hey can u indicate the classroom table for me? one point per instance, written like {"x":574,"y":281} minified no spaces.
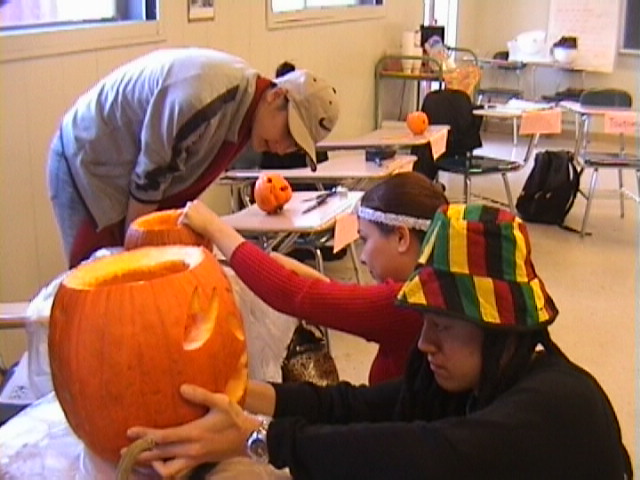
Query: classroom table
{"x":392,"y":136}
{"x":584,"y":115}
{"x":618,"y":159}
{"x":347,"y":167}
{"x":293,"y":227}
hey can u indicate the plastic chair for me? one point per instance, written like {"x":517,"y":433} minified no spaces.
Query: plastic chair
{"x":454,"y":108}
{"x":596,"y":160}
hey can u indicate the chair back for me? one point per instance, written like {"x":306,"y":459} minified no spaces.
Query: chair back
{"x":606,"y":97}
{"x":454,"y":108}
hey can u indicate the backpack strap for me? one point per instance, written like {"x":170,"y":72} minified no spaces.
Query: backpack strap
{"x":575,"y":181}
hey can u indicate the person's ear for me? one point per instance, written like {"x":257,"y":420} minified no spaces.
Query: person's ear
{"x":404,"y":238}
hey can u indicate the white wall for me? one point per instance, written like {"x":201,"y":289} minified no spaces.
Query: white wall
{"x":486,"y":26}
{"x":35,"y":93}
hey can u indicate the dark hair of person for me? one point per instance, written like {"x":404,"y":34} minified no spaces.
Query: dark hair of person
{"x":406,"y":193}
{"x":284,"y":68}
{"x":505,"y":358}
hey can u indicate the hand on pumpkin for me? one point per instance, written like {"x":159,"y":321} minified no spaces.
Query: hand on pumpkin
{"x":218,"y":435}
{"x":206,"y":222}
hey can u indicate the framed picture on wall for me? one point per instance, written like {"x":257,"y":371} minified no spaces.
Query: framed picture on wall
{"x":201,"y":10}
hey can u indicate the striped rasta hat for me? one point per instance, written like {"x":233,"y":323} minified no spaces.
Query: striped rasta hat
{"x":475,"y":264}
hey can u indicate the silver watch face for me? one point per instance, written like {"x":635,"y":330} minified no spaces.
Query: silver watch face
{"x":257,"y":445}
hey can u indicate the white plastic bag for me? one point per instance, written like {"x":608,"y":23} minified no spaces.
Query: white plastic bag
{"x":37,"y":328}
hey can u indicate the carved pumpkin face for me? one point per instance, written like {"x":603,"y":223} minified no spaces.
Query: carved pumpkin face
{"x":127,"y":330}
{"x":417,"y":122}
{"x":272,"y":192}
{"x":162,"y":228}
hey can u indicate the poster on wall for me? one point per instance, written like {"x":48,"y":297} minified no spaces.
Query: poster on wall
{"x":201,"y":10}
{"x":595,"y":24}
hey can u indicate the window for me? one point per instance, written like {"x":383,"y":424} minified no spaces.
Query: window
{"x":443,"y":12}
{"x":631,"y":27}
{"x":288,"y":13}
{"x":31,"y":28}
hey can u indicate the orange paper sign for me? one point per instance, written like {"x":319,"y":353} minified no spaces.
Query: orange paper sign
{"x":345,"y":231}
{"x":439,"y":143}
{"x":621,"y":122}
{"x":541,"y":121}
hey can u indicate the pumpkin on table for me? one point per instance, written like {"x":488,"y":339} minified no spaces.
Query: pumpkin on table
{"x":162,"y":228}
{"x":128,"y":329}
{"x":272,"y":192}
{"x":417,"y":122}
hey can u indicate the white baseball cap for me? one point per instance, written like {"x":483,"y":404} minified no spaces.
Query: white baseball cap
{"x":313,"y":109}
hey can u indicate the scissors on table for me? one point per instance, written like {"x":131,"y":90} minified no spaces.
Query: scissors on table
{"x":323,"y":197}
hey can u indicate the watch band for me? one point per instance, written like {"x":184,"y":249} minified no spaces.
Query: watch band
{"x":257,"y":442}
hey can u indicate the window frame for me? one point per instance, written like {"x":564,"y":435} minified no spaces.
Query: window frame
{"x":316,"y":16}
{"x":25,"y":43}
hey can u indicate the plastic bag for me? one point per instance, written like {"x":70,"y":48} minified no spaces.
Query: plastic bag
{"x":37,"y":329}
{"x":435,"y":48}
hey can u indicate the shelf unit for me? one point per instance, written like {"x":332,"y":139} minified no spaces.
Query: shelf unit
{"x":390,"y":67}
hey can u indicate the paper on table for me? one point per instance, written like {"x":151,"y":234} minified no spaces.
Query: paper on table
{"x":541,"y":121}
{"x":439,"y":143}
{"x":345,"y":231}
{"x":526,"y":105}
{"x":621,"y":122}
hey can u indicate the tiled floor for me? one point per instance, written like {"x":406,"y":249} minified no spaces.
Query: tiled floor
{"x":594,"y":281}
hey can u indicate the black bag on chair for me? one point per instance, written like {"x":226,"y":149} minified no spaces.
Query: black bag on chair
{"x":550,"y":189}
{"x":308,"y":358}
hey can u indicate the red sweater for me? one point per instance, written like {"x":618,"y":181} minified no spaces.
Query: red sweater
{"x":367,"y":311}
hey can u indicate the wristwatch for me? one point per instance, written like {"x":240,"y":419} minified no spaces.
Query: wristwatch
{"x":257,"y":442}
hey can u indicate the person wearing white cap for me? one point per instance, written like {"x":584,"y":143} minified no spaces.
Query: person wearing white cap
{"x":157,"y":131}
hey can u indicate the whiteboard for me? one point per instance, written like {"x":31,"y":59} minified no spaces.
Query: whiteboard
{"x":594,"y":23}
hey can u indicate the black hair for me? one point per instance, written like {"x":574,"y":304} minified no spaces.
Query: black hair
{"x":284,"y":68}
{"x":506,"y":356}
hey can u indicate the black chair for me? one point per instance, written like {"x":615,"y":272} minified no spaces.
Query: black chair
{"x":454,"y":108}
{"x":596,"y":160}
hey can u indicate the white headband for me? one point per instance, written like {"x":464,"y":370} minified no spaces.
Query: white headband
{"x":393,"y":219}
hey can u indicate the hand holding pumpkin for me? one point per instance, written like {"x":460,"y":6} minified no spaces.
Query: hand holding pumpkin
{"x":218,"y":435}
{"x":205,"y":221}
{"x":198,"y":217}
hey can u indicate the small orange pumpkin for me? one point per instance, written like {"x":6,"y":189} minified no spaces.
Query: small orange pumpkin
{"x":417,"y":122}
{"x":162,"y":228}
{"x":272,"y":192}
{"x":128,"y":329}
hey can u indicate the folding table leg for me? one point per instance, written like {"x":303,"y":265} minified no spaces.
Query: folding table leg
{"x":467,"y":189}
{"x":507,"y":189}
{"x":587,"y":209}
{"x":621,"y":192}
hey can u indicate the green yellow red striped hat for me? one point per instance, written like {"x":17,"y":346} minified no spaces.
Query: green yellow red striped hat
{"x":476,"y":265}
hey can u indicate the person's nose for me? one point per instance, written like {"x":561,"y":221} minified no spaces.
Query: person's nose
{"x":427,"y":343}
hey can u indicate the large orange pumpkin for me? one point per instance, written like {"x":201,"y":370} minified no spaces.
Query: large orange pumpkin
{"x":162,"y":228}
{"x":127,"y":330}
{"x":272,"y":192}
